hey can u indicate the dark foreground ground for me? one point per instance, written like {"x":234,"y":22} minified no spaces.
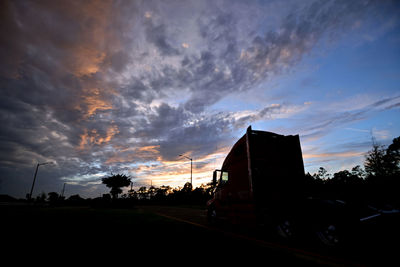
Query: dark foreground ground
{"x":155,"y":235}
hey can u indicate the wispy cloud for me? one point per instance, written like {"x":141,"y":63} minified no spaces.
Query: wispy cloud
{"x":130,"y":85}
{"x":330,"y":116}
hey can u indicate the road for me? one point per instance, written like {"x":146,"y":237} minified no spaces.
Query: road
{"x":197,"y":218}
{"x":194,"y":216}
{"x":164,"y":233}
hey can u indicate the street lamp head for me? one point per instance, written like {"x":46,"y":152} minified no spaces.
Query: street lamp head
{"x":44,"y":163}
{"x":181,"y":155}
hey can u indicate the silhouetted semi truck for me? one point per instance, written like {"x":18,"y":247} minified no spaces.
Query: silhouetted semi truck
{"x":262,"y":182}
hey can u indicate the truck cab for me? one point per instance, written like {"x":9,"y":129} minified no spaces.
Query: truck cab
{"x":260,"y":174}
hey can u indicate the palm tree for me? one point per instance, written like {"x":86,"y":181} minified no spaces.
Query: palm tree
{"x":115,"y":182}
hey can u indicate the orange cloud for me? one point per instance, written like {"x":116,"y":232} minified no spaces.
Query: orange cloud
{"x":111,"y":131}
{"x":87,"y":61}
{"x":90,"y":33}
{"x":132,"y":154}
{"x":88,"y":55}
{"x":93,"y":101}
{"x":93,"y":137}
{"x":152,"y":149}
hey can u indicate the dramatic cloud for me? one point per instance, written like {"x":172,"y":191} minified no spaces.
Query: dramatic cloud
{"x":101,"y":86}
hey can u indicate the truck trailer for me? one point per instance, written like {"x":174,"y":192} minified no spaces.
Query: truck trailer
{"x":262,"y":182}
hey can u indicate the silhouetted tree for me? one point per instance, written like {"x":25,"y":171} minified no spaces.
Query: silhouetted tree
{"x":76,"y":200}
{"x":199,"y":195}
{"x":143,"y":192}
{"x":312,"y":179}
{"x":106,"y":197}
{"x":392,"y":157}
{"x":131,"y":193}
{"x":375,"y":161}
{"x":187,"y":188}
{"x":115,"y":182}
{"x":381,"y":162}
{"x":41,"y":198}
{"x":358,"y":172}
{"x":53,"y":197}
{"x":162,"y":193}
{"x":322,"y":174}
{"x":151,"y":192}
{"x":345,"y":177}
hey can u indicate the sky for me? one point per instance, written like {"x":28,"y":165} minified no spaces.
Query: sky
{"x":101,"y":87}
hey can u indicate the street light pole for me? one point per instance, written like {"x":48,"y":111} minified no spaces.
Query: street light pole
{"x":34,"y":177}
{"x":191,"y":168}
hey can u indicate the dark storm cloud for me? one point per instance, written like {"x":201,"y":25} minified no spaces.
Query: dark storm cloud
{"x":47,"y":90}
{"x":164,"y":119}
{"x":85,"y":83}
{"x":119,"y":60}
{"x":157,"y":35}
{"x":197,"y":139}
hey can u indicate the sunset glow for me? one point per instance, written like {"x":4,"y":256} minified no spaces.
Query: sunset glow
{"x":101,"y":87}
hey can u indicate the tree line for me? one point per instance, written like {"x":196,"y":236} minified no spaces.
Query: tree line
{"x":159,"y":195}
{"x":163,"y":195}
{"x":377,"y":181}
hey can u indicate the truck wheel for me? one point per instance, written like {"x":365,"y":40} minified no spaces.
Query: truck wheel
{"x":285,"y":229}
{"x":328,"y":235}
